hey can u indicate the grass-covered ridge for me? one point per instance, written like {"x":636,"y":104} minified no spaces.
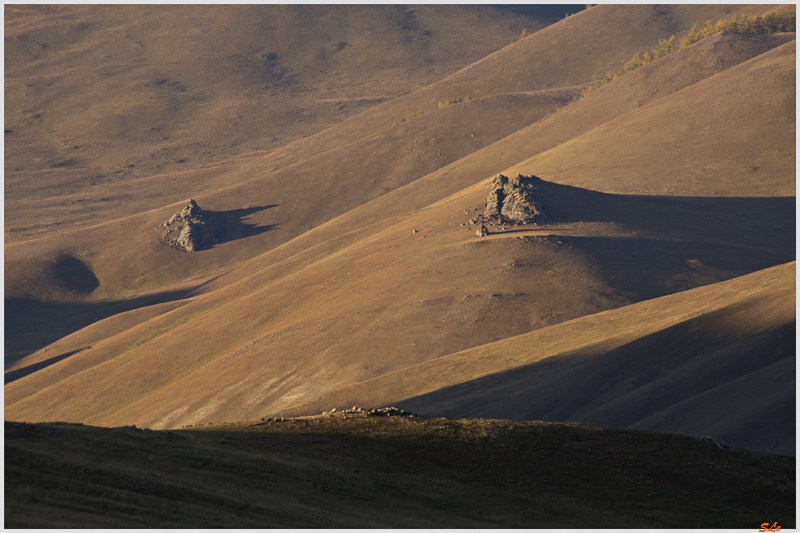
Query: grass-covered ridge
{"x":772,"y":22}
{"x":360,"y":469}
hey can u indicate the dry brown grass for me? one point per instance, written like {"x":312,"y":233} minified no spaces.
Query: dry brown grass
{"x":101,"y":97}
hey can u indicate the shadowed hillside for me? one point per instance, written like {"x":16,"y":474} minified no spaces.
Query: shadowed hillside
{"x":359,"y":469}
{"x":667,"y":364}
{"x":727,"y":374}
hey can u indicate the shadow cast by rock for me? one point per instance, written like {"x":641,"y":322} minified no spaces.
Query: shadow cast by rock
{"x":231,"y":225}
{"x":765,"y":223}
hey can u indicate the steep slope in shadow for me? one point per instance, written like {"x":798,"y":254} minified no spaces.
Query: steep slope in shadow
{"x":74,"y":275}
{"x":725,"y":374}
{"x":13,"y":375}
{"x":32,"y":325}
{"x":358,"y":470}
{"x":693,"y":362}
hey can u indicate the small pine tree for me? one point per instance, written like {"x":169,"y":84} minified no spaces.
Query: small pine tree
{"x":692,"y":37}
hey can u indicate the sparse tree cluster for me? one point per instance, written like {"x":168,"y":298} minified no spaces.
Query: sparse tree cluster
{"x":439,"y":105}
{"x":412,"y":115}
{"x":451,"y":101}
{"x":773,"y":22}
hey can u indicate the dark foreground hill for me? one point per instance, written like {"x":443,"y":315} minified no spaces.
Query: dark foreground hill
{"x":358,"y":469}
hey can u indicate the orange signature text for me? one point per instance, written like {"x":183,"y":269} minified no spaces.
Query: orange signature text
{"x":765,"y":527}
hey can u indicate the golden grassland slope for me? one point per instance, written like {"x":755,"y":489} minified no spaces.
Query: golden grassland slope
{"x":407,"y":152}
{"x":318,"y":291}
{"x":706,"y":58}
{"x":717,"y":360}
{"x":102,"y":95}
{"x":569,"y":53}
{"x":667,"y":76}
{"x":705,"y":140}
{"x":281,"y":205}
{"x":610,"y":210}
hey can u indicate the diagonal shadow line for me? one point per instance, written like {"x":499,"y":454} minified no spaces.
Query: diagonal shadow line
{"x":14,"y":375}
{"x":31,"y":325}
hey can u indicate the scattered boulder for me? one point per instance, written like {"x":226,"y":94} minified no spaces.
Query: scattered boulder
{"x":482,"y":231}
{"x":387,"y":411}
{"x":514,"y":201}
{"x":191,"y":229}
{"x":380,"y":411}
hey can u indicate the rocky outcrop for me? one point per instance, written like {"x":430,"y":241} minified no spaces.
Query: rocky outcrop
{"x":380,"y":411}
{"x":514,"y":201}
{"x":191,"y":229}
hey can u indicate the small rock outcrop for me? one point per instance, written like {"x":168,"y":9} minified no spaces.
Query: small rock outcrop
{"x":483,"y":231}
{"x":191,"y":229}
{"x":514,"y":201}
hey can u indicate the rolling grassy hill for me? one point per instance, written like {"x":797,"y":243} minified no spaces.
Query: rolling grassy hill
{"x":356,"y":469}
{"x":99,"y":97}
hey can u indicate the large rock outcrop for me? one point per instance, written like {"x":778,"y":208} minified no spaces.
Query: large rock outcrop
{"x":514,"y":201}
{"x":191,"y":229}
